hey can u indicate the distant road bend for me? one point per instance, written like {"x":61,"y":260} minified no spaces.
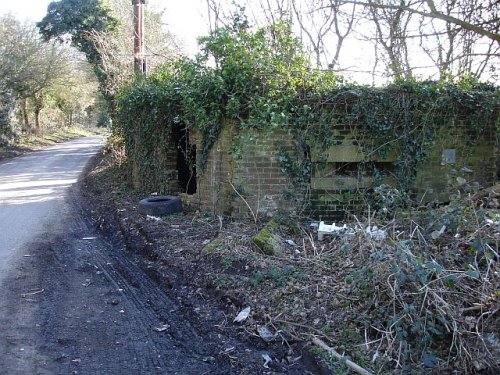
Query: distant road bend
{"x":32,"y":190}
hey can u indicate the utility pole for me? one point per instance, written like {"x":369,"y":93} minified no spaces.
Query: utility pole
{"x":139,"y":57}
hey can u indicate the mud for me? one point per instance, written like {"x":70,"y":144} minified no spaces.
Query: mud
{"x":92,"y":298}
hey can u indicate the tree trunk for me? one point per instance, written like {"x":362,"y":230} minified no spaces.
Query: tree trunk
{"x":38,"y":99}
{"x":26,"y":119}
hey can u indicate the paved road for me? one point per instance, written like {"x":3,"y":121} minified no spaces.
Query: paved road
{"x":32,"y":189}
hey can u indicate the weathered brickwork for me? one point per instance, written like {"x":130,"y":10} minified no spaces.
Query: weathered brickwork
{"x":243,"y":177}
{"x":457,"y":153}
{"x":162,"y":176}
{"x":258,"y":175}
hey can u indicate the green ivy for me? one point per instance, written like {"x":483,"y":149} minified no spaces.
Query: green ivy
{"x":262,"y":80}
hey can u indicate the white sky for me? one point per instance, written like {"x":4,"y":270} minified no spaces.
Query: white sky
{"x":187,"y":20}
{"x":182,"y":17}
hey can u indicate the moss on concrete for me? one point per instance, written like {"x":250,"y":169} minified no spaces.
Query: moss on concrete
{"x":266,"y":241}
{"x":263,"y":242}
{"x":212,"y":246}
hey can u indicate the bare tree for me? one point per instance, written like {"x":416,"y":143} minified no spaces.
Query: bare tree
{"x":391,"y":27}
{"x":115,"y":50}
{"x":408,"y":37}
{"x":457,"y":36}
{"x":483,"y":21}
{"x":453,"y":49}
{"x":315,"y":24}
{"x":344,"y":21}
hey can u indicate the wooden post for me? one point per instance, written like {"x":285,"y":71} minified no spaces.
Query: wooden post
{"x":139,"y":60}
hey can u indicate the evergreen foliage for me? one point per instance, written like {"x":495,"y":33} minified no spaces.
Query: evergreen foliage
{"x":74,"y":19}
{"x":263,"y":80}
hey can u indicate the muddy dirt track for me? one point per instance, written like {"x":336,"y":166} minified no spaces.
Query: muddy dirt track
{"x":78,"y":301}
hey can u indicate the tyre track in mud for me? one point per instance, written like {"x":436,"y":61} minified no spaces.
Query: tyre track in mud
{"x":93,"y":311}
{"x":85,"y":304}
{"x":199,"y":317}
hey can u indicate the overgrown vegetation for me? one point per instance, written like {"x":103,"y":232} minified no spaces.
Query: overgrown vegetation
{"x":262,"y":80}
{"x":421,"y":299}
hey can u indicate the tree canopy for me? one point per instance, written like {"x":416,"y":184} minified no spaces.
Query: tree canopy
{"x":75,"y":20}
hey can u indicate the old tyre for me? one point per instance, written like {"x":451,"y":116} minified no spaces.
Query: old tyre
{"x":160,"y":205}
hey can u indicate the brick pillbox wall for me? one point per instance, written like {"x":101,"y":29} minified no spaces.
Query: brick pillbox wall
{"x":159,"y":173}
{"x":243,"y":176}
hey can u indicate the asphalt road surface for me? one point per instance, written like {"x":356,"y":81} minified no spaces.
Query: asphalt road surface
{"x":72,"y":302}
{"x":32,"y":190}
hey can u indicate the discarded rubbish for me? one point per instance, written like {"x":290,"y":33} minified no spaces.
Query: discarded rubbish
{"x":437,"y":233}
{"x":267,"y":360}
{"x":375,"y":233}
{"x":265,"y":334}
{"x":151,"y":217}
{"x":228,"y":350}
{"x":243,"y":315}
{"x":329,"y":229}
{"x":32,"y":293}
{"x":162,"y":328}
{"x":291,"y":243}
{"x":344,"y":231}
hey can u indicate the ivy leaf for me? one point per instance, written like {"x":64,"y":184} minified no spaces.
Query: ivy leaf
{"x":473,"y":273}
{"x":434,"y":266}
{"x":429,"y":360}
{"x":450,"y":281}
{"x":477,"y":245}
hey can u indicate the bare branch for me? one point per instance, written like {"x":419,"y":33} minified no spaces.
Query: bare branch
{"x":476,"y":28}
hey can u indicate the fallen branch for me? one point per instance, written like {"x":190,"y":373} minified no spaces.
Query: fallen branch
{"x":334,"y":353}
{"x":24,"y":295}
{"x":255,"y":219}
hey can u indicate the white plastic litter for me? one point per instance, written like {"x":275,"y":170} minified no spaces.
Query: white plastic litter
{"x":162,"y":328}
{"x":243,"y":315}
{"x":265,"y":334}
{"x":329,"y":229}
{"x":375,"y":233}
{"x":267,"y":359}
{"x":437,"y":233}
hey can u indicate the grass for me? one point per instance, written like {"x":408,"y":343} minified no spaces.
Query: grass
{"x":32,"y":141}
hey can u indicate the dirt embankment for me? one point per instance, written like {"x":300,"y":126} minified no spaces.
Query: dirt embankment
{"x":417,"y":294}
{"x":171,"y":252}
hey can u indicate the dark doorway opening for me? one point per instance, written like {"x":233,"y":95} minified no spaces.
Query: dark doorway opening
{"x":186,"y":159}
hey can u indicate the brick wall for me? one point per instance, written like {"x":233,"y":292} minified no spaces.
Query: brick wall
{"x":247,"y":182}
{"x":213,"y":192}
{"x":250,"y":181}
{"x":257,"y":177}
{"x":458,"y":152}
{"x":159,"y":176}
